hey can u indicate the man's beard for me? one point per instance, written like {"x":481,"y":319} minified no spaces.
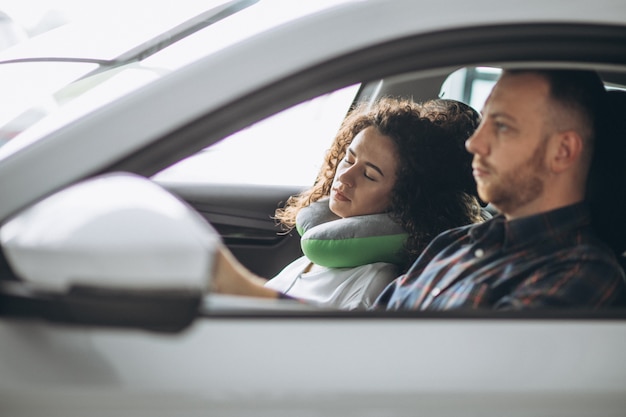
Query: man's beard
{"x":520,"y":186}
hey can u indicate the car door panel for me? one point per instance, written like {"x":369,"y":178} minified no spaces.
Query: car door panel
{"x":243,"y":215}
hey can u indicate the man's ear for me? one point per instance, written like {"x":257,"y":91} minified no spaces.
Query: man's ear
{"x":567,"y":150}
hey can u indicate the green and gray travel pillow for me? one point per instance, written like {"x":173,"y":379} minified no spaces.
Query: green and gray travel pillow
{"x":331,"y":241}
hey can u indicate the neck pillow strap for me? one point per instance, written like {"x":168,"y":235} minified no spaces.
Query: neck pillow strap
{"x":331,"y":241}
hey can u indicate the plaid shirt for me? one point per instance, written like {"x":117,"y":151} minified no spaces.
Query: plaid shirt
{"x":551,"y":259}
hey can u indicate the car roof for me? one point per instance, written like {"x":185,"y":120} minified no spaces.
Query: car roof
{"x":90,"y":144}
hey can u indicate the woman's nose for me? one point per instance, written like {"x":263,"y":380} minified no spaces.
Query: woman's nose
{"x":346,"y":176}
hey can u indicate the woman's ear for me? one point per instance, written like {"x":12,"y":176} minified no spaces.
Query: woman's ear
{"x":567,"y":150}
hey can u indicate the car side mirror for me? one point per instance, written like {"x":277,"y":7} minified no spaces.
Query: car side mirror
{"x":113,"y":250}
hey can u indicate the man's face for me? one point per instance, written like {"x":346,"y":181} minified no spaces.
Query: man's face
{"x":510,"y":145}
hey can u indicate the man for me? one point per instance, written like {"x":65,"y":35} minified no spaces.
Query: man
{"x":532,"y":155}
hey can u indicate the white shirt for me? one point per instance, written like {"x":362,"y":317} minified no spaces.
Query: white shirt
{"x":343,"y":288}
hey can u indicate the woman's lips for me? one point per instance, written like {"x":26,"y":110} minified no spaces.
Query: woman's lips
{"x":339,"y":196}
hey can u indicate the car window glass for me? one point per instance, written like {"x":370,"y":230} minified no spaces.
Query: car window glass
{"x":285,"y":149}
{"x":470,"y":85}
{"x":55,"y":109}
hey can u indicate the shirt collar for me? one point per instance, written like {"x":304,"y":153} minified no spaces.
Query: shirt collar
{"x":539,"y":227}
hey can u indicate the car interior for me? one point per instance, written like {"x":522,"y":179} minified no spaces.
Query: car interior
{"x":242,"y":213}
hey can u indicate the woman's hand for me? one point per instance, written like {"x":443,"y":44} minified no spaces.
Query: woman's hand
{"x":230,"y":277}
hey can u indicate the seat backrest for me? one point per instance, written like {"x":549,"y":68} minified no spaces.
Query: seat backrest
{"x":606,"y":191}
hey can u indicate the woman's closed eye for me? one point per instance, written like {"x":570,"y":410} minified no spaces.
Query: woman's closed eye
{"x":370,"y":171}
{"x":366,"y":175}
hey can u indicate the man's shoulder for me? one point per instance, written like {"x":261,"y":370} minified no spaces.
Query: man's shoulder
{"x":587,"y":248}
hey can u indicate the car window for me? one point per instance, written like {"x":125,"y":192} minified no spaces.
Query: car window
{"x":284,"y":149}
{"x":294,"y":140}
{"x":470,"y":85}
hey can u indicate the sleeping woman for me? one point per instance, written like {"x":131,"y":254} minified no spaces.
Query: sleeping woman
{"x":396,"y":175}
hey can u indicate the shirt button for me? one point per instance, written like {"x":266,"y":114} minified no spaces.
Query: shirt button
{"x":435,"y":292}
{"x":479,"y":253}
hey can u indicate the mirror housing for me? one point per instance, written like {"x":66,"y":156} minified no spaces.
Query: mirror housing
{"x":114,"y":249}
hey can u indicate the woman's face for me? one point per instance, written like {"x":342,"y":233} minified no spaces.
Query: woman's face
{"x":366,"y":176}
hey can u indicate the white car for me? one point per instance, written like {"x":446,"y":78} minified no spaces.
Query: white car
{"x":113,"y":182}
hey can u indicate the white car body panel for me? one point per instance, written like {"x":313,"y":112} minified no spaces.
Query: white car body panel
{"x":268,"y":365}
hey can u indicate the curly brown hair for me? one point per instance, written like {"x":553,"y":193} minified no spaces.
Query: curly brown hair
{"x":434,"y":189}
